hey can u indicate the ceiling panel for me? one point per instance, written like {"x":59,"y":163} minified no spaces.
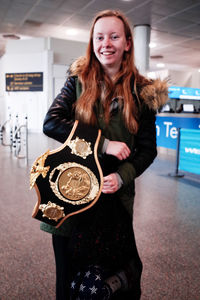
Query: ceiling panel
{"x":75,"y":21}
{"x":51,"y":4}
{"x":171,"y":24}
{"x":192,"y":30}
{"x":163,"y":10}
{"x":175,"y":24}
{"x":57,"y":18}
{"x":192,"y":44}
{"x":76,"y":6}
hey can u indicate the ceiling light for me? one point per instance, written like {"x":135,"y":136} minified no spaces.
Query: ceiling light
{"x":152,"y":45}
{"x":71,"y":31}
{"x":160,"y":65}
{"x":199,"y":70}
{"x":151,"y":75}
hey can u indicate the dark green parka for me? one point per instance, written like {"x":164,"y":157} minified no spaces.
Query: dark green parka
{"x":58,"y":124}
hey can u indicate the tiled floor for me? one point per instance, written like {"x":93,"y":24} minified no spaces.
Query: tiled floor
{"x":166,"y":222}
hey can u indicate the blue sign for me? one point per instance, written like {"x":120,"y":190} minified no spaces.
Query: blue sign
{"x":189,"y":155}
{"x":176,"y":92}
{"x":166,"y":129}
{"x":24,"y":82}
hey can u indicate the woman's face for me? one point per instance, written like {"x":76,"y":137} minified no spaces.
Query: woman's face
{"x":109,"y":42}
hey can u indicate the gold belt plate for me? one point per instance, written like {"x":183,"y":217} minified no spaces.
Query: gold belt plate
{"x":75,"y":184}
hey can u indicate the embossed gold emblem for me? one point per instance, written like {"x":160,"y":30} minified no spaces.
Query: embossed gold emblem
{"x":80,"y":147}
{"x":52,"y":211}
{"x":75,"y":184}
{"x":38,"y":168}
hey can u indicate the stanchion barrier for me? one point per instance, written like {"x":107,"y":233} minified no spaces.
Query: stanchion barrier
{"x":1,"y":134}
{"x":6,"y":129}
{"x":15,"y":134}
{"x":177,"y":173}
{"x":20,"y":141}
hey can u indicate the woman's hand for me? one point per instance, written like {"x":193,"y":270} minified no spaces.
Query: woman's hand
{"x":118,"y":149}
{"x":110,"y":184}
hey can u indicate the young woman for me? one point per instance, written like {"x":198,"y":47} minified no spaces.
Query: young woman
{"x":105,"y":90}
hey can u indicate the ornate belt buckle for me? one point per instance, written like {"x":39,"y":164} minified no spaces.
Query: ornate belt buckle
{"x":68,"y":180}
{"x":75,"y":184}
{"x":80,"y":147}
{"x":52,"y":211}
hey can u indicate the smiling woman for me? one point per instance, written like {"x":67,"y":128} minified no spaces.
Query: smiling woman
{"x":96,"y":254}
{"x":109,"y":46}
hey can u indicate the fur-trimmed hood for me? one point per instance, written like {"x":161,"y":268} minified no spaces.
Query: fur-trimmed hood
{"x":77,"y":66}
{"x":154,"y":94}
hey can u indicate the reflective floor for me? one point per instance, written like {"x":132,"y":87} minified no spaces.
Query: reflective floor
{"x":166,"y":222}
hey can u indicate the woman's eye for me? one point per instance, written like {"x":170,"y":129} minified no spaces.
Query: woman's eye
{"x":114,"y":37}
{"x":99,"y":38}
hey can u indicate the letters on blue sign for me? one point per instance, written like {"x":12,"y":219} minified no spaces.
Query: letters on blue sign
{"x":166,"y":129}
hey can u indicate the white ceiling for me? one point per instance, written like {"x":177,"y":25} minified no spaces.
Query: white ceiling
{"x":175,"y":24}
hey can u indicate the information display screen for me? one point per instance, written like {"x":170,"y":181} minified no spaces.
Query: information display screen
{"x":24,"y":82}
{"x":176,"y":92}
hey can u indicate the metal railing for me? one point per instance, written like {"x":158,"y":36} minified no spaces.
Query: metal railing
{"x":3,"y":132}
{"x":15,"y":136}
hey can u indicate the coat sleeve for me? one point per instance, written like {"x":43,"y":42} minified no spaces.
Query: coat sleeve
{"x":145,"y":149}
{"x":59,"y":119}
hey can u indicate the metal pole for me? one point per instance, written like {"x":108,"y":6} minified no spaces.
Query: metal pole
{"x":177,"y":151}
{"x":26,"y":120}
{"x":177,"y":174}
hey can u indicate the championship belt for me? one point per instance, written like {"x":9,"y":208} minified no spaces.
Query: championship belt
{"x":68,"y":180}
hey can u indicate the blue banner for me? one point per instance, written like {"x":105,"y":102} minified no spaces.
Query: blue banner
{"x":189,"y":155}
{"x":166,"y":129}
{"x":176,"y":92}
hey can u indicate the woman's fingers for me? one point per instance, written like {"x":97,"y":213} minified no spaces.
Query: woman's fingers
{"x":110,"y":184}
{"x":118,"y":149}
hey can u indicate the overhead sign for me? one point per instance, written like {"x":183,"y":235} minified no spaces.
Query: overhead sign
{"x":176,"y":92}
{"x":24,"y":82}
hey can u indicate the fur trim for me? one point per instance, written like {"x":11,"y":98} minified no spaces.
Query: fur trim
{"x":155,"y":95}
{"x":77,"y":66}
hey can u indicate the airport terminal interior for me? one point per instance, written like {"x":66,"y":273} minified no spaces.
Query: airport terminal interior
{"x":35,"y":53}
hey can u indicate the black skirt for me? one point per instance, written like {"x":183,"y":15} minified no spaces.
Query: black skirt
{"x":104,"y":236}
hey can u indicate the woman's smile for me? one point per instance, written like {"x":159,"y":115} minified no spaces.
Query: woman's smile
{"x":110,"y":43}
{"x":106,"y":53}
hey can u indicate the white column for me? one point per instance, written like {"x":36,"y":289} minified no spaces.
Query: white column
{"x":141,"y":47}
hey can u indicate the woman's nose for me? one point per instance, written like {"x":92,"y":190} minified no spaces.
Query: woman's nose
{"x":106,"y":42}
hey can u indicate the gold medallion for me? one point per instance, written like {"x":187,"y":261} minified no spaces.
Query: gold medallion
{"x":75,"y":184}
{"x":80,"y":147}
{"x":52,"y":211}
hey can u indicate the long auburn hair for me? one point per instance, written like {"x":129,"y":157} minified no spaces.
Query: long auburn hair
{"x":92,"y":76}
